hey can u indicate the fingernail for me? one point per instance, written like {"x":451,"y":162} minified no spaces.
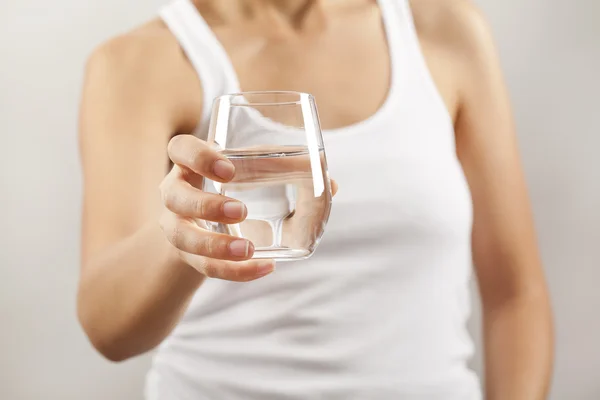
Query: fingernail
{"x":223,"y":169}
{"x":264,"y":269}
{"x":239,"y":248}
{"x":234,"y":210}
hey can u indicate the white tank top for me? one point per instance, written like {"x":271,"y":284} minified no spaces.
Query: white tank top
{"x":379,"y":312}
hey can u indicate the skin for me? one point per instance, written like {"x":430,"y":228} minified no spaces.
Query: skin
{"x":142,"y":258}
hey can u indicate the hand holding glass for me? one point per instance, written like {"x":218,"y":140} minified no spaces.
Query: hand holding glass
{"x":274,"y":141}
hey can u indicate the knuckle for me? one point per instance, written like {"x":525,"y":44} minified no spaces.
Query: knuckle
{"x":211,"y":270}
{"x":210,"y":245}
{"x":215,"y":246}
{"x":199,"y":159}
{"x":231,"y":273}
{"x":207,"y":206}
{"x":202,"y":246}
{"x":201,"y":263}
{"x":177,"y":236}
{"x":199,"y":206}
{"x":170,"y":199}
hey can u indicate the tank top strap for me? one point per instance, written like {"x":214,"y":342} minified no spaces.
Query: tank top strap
{"x":407,"y":57}
{"x":403,"y":42}
{"x":205,"y":52}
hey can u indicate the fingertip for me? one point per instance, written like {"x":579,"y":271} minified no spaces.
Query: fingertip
{"x":334,"y":187}
{"x":235,"y":210}
{"x":251,"y":248}
{"x":224,"y":169}
{"x":241,"y":248}
{"x":265,"y":268}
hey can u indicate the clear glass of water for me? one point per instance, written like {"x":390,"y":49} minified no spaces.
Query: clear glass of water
{"x":274,"y":141}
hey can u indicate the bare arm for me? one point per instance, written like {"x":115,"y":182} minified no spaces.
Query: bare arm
{"x":142,"y":258}
{"x":517,"y":316}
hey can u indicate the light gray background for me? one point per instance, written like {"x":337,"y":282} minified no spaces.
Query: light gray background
{"x":551,"y":54}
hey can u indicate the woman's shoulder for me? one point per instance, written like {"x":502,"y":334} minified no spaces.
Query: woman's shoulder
{"x":459,"y":34}
{"x":452,"y":24}
{"x":147,"y":49}
{"x":148,"y":63}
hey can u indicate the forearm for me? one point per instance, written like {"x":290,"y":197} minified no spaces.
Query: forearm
{"x":132,"y":294}
{"x":518,"y":348}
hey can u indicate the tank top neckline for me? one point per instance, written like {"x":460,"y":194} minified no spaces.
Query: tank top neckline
{"x":397,"y":74}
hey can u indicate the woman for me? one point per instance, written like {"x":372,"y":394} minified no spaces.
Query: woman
{"x":419,"y":136}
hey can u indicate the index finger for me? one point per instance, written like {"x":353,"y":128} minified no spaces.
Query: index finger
{"x":192,"y":153}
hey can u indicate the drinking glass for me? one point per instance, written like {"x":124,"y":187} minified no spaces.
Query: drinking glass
{"x":274,"y":141}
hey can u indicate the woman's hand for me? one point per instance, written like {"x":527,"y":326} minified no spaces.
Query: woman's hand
{"x":215,"y":255}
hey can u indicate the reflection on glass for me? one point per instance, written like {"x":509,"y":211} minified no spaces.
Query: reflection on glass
{"x":275,"y":143}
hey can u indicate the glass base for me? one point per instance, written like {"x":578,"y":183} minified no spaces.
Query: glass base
{"x":281,"y":253}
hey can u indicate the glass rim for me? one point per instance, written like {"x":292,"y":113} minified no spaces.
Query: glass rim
{"x":257,"y":93}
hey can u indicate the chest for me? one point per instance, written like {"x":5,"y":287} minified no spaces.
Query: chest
{"x":346,"y":65}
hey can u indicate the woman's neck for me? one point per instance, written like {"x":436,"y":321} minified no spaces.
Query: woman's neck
{"x":278,"y":14}
{"x":283,"y":16}
{"x":292,"y":9}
